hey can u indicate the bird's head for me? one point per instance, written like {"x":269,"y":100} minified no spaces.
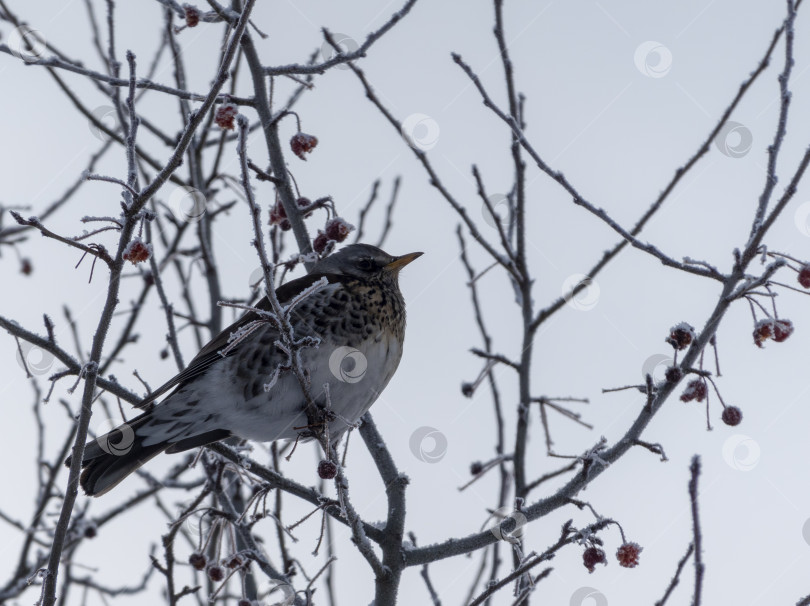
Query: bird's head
{"x":364,"y":262}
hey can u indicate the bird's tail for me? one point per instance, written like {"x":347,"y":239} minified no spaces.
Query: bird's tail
{"x":112,"y":457}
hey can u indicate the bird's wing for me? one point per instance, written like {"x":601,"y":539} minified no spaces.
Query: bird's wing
{"x":210,"y":353}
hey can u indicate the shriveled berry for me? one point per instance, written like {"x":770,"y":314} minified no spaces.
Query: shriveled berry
{"x":695,"y":390}
{"x":164,"y":353}
{"x":277,"y":214}
{"x":337,"y":229}
{"x":673,"y":374}
{"x":763,"y":330}
{"x":732,"y":416}
{"x":285,"y":225}
{"x":192,"y":14}
{"x":804,"y":276}
{"x":467,"y":389}
{"x":476,"y":467}
{"x":302,"y":143}
{"x":235,"y":561}
{"x":593,"y":556}
{"x":90,"y":531}
{"x":681,"y":335}
{"x":243,"y":602}
{"x":320,"y":242}
{"x":137,"y":251}
{"x":197,"y":560}
{"x":25,"y":266}
{"x":782,"y":329}
{"x":216,"y":573}
{"x":327,"y":469}
{"x":225,"y":116}
{"x":628,"y":554}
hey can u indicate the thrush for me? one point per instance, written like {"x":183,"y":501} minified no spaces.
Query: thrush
{"x":241,"y":383}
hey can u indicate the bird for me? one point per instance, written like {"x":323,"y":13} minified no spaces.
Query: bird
{"x":241,"y":383}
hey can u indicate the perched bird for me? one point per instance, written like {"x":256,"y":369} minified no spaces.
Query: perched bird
{"x":240,"y":386}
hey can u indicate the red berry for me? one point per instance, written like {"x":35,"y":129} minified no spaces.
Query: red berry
{"x":695,"y":390}
{"x":192,"y":15}
{"x":467,"y":389}
{"x":90,"y":531}
{"x":804,"y":276}
{"x":277,"y":214}
{"x":673,"y":374}
{"x":235,"y":561}
{"x":197,"y":560}
{"x":26,"y":267}
{"x":732,"y":416}
{"x":320,"y":242}
{"x":302,"y":143}
{"x":225,"y":115}
{"x":627,"y":554}
{"x":337,"y":229}
{"x":243,"y":602}
{"x":476,"y":468}
{"x":782,"y":329}
{"x":327,"y":470}
{"x":681,"y":335}
{"x":763,"y":330}
{"x":137,"y":251}
{"x":216,"y":573}
{"x":593,"y":556}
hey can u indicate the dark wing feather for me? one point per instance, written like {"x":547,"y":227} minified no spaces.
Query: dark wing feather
{"x":209,"y":354}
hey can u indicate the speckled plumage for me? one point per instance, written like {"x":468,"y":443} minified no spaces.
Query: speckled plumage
{"x":359,"y":318}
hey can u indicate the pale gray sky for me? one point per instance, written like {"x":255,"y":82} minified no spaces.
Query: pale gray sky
{"x":619,"y":94}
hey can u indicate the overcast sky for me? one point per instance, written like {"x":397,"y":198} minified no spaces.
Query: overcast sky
{"x":618,"y":96}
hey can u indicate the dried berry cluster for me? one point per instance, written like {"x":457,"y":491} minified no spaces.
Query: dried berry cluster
{"x":681,"y":336}
{"x":302,"y":144}
{"x":226,"y":115}
{"x":769,"y":328}
{"x":192,"y":15}
{"x":137,"y":251}
{"x":627,"y":555}
{"x":336,"y":229}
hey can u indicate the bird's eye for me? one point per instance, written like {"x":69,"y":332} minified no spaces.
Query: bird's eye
{"x":365,"y":264}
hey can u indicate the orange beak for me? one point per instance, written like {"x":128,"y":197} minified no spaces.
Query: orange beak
{"x":400,"y":262}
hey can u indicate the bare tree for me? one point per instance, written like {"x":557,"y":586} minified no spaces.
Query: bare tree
{"x":240,"y":511}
